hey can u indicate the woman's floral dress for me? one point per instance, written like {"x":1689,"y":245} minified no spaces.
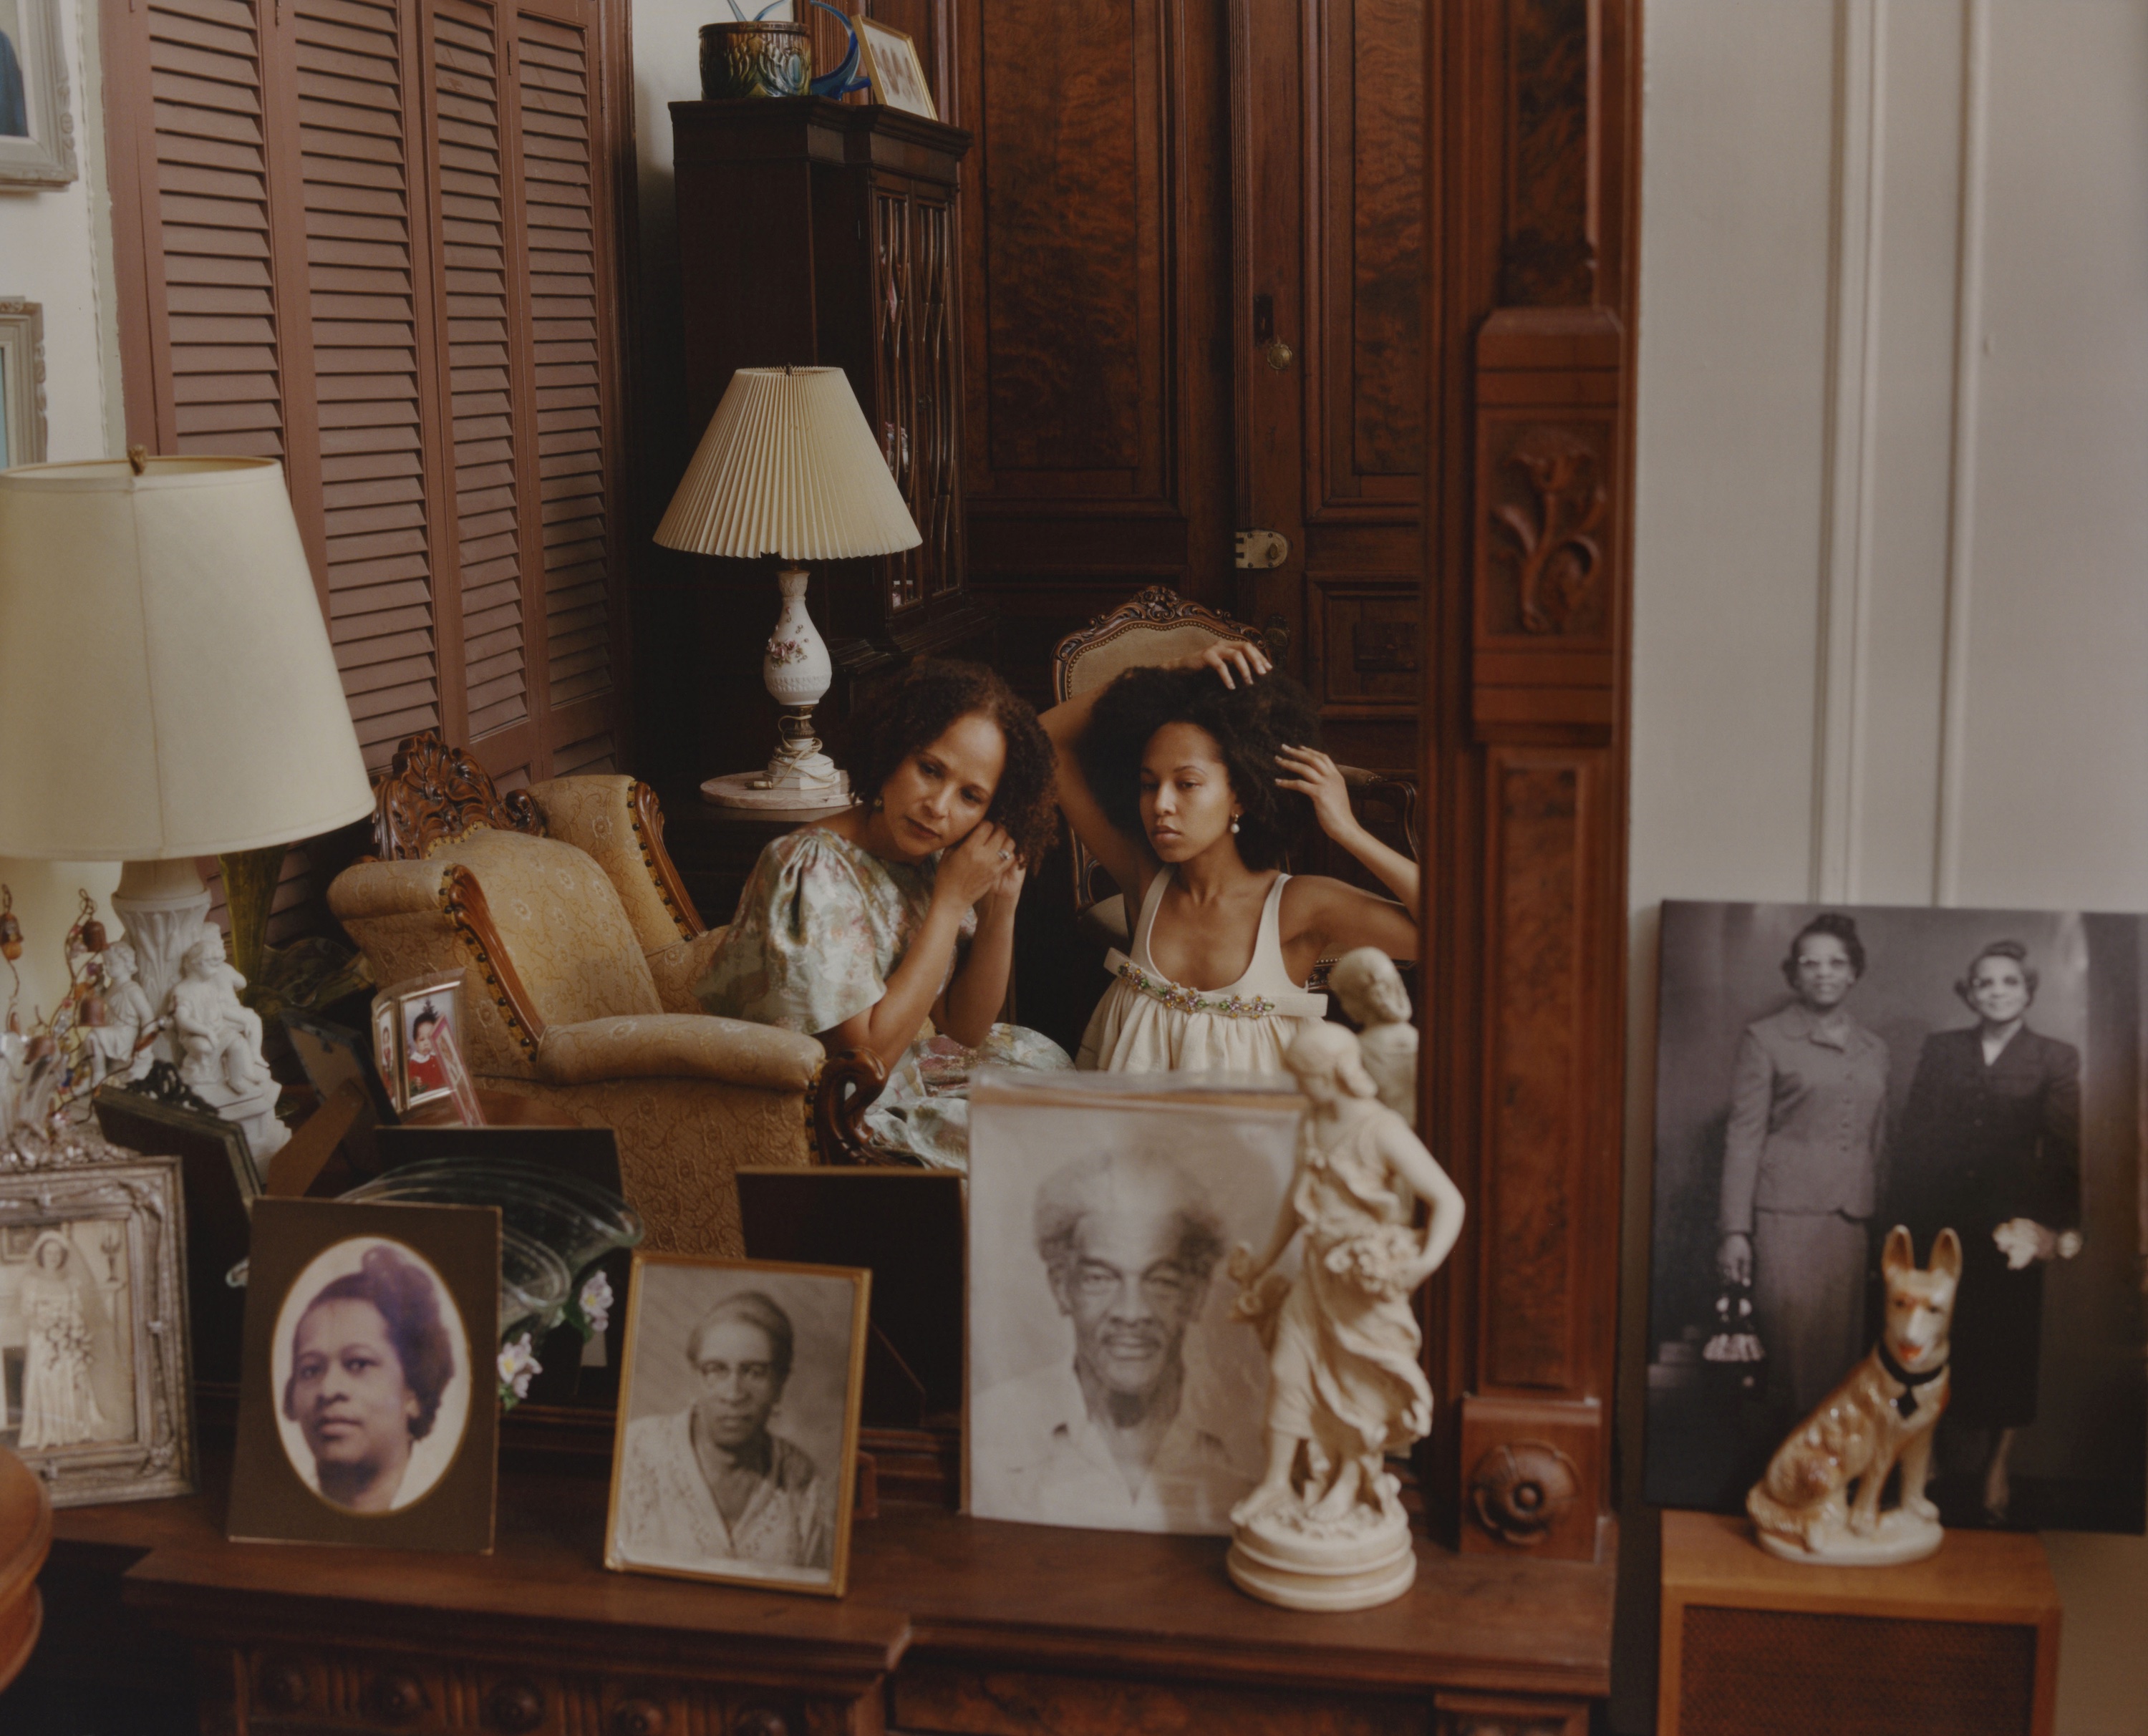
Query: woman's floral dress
{"x":820,"y":927}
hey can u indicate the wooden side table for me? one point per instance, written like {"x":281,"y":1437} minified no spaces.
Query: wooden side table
{"x":1966,"y":1643}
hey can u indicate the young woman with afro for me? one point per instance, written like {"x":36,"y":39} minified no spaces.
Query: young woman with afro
{"x":893,"y":919}
{"x":1190,"y":782}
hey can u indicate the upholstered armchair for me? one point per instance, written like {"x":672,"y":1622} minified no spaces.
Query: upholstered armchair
{"x":580,"y":947}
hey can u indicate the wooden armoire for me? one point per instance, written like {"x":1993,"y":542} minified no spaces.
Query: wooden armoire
{"x":822,"y":233}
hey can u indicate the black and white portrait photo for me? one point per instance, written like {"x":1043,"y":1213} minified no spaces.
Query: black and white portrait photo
{"x":373,"y":1365}
{"x":1824,"y":1074}
{"x":738,"y":1421}
{"x":1108,"y":1386}
{"x":367,"y":1376}
{"x":65,"y":1345}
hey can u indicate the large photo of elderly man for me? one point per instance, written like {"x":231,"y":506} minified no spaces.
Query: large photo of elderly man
{"x":1824,"y":1074}
{"x":1108,"y":1386}
{"x":738,"y":1421}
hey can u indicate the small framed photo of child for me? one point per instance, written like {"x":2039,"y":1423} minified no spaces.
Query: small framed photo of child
{"x":736,"y":1458}
{"x":418,"y":1030}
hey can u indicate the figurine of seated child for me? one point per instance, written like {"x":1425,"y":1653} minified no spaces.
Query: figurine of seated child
{"x":219,"y":1036}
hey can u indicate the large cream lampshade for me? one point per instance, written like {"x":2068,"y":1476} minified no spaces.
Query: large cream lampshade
{"x":788,"y":467}
{"x":167,"y":688}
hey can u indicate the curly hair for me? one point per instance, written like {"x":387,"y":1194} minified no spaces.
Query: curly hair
{"x":1251,"y":723}
{"x":1999,"y":949}
{"x":1831,"y":923}
{"x":401,"y":1294}
{"x":920,"y":708}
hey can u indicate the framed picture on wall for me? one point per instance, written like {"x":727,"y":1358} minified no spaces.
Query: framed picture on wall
{"x":892,"y":67}
{"x":36,"y":122}
{"x":1824,"y":1074}
{"x":21,"y":380}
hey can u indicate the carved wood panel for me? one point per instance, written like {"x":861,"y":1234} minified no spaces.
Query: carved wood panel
{"x":949,"y":1700}
{"x":1540,"y":959}
{"x":1549,"y":255}
{"x":1071,"y":196}
{"x":1364,"y":254}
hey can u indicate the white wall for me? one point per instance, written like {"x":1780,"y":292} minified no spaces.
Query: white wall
{"x":1891,"y":529}
{"x":56,"y":249}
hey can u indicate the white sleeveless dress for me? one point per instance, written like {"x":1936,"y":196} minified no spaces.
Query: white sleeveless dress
{"x":1146,"y":1023}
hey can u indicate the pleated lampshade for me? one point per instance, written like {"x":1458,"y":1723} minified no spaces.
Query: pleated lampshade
{"x":167,"y":686}
{"x":788,"y":467}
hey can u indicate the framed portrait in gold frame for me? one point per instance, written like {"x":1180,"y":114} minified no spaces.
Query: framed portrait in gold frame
{"x":735,"y":1458}
{"x":894,"y":70}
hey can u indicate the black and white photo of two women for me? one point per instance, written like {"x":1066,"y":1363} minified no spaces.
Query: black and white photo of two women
{"x":1823,"y":1073}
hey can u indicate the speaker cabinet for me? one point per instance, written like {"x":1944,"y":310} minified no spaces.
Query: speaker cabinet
{"x":1965,"y":1643}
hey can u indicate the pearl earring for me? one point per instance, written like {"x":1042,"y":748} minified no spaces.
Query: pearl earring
{"x":1234,"y":825}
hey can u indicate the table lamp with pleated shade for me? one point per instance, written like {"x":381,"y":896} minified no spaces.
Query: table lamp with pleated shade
{"x":167,"y":690}
{"x":789,"y":468}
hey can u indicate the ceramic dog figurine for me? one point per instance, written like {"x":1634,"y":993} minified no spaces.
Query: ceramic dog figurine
{"x":1884,"y":1413}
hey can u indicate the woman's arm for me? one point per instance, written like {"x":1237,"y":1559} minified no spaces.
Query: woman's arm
{"x":968,"y":1010}
{"x":1311,"y":772}
{"x":890,"y":1026}
{"x":1127,"y":858}
{"x":1431,"y":1183}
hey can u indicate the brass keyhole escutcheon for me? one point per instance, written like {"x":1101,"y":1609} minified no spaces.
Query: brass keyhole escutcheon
{"x":1279,"y":354}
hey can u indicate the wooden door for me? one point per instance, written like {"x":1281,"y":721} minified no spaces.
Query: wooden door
{"x":1329,"y":117}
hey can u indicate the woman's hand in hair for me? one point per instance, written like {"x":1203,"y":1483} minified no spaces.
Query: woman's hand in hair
{"x":1311,"y":774}
{"x":978,"y":866}
{"x":1234,"y":660}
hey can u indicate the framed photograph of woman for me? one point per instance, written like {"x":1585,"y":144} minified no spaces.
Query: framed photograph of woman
{"x":36,"y":120}
{"x":1824,"y":1074}
{"x":736,"y":1454}
{"x":93,"y":1330}
{"x":366,"y":1409}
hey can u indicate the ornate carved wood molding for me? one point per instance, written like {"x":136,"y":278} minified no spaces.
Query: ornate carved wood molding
{"x":844,"y":1087}
{"x":647,"y":816}
{"x":462,"y":901}
{"x":433,"y":794}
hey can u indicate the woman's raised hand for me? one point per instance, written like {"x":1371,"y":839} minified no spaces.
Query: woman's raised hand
{"x":1311,"y":773}
{"x":979,"y":865}
{"x":1233,"y":660}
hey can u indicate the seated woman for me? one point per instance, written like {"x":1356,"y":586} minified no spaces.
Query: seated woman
{"x":874,"y":926}
{"x":1170,"y":775}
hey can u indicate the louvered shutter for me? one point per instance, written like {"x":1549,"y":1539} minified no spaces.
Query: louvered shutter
{"x":489,"y":488}
{"x":207,"y":193}
{"x":353,"y":106}
{"x":372,"y":238}
{"x":555,"y":80}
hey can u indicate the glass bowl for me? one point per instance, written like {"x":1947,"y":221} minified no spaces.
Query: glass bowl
{"x":578,"y":1221}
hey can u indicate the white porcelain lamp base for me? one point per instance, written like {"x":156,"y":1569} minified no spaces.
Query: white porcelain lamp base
{"x":797,"y":672}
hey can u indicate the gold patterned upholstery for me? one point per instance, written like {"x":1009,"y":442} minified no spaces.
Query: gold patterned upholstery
{"x":580,"y":949}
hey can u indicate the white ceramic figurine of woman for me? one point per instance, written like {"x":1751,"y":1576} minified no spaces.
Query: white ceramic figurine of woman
{"x":1325,"y":1528}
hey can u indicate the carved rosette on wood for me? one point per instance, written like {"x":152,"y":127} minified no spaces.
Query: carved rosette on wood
{"x":433,"y":793}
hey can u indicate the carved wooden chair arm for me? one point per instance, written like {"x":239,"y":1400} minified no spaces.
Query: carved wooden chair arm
{"x":845,"y":1089}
